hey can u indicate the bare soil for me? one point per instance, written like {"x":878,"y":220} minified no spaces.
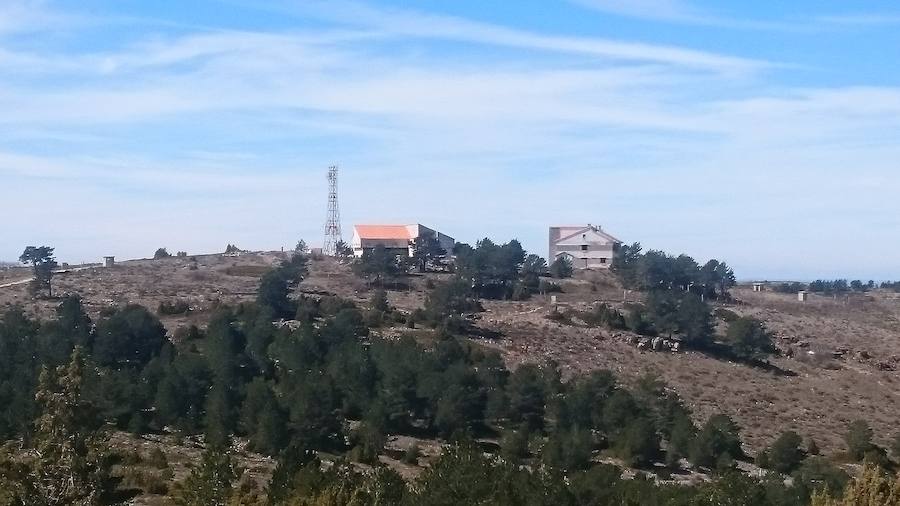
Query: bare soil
{"x":844,"y":362}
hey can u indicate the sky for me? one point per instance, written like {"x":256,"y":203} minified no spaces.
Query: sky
{"x":765,"y":134}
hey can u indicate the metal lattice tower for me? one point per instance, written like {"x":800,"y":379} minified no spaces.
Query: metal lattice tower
{"x":333,"y":222}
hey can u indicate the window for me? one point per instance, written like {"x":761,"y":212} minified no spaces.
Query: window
{"x":584,"y":247}
{"x":602,"y":260}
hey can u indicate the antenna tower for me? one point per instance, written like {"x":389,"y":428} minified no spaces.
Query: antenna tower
{"x":333,"y":223}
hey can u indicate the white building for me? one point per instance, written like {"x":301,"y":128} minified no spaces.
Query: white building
{"x":398,"y":238}
{"x":587,"y":247}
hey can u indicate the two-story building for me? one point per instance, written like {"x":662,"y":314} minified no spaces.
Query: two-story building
{"x":586,"y":247}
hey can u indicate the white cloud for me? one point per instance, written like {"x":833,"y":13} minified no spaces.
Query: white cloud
{"x":863,"y":19}
{"x":667,"y":10}
{"x":196,"y":140}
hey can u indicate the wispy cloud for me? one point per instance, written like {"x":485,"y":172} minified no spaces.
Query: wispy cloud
{"x":412,"y":23}
{"x":214,"y":132}
{"x":682,"y":12}
{"x":863,"y":19}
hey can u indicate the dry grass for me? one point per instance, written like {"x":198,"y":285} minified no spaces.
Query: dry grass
{"x":821,"y":397}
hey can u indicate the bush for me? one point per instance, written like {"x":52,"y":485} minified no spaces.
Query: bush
{"x":449,"y":299}
{"x":307,"y":310}
{"x":161,"y":253}
{"x":605,"y":316}
{"x":726,"y":315}
{"x":789,"y":287}
{"x":638,"y":444}
{"x":411,"y":456}
{"x":332,"y":305}
{"x":379,"y":301}
{"x":158,"y":459}
{"x":859,"y":440}
{"x":785,"y":455}
{"x":514,"y":444}
{"x":561,"y":268}
{"x":176,"y":307}
{"x":569,"y":450}
{"x":549,"y":287}
{"x":717,"y":443}
{"x":749,"y":339}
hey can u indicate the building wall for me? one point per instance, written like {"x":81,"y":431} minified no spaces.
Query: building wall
{"x":595,"y":257}
{"x":585,"y":253}
{"x":415,"y":230}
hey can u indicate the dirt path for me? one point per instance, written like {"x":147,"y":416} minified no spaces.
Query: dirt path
{"x":28,"y":280}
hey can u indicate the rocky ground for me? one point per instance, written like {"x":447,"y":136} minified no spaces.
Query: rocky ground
{"x":843,"y":361}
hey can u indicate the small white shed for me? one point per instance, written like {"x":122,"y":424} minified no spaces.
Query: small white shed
{"x":109,"y":261}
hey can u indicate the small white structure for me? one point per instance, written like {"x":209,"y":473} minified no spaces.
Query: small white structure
{"x":757,"y":287}
{"x":586,"y":247}
{"x":109,"y":261}
{"x":802,"y":295}
{"x":397,"y":238}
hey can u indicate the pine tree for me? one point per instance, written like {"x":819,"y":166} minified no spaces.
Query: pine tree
{"x":211,"y":483}
{"x":71,"y":467}
{"x":871,"y":488}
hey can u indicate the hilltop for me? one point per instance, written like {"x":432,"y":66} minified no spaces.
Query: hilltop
{"x":843,"y":351}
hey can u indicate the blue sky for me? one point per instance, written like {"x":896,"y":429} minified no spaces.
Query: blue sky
{"x":763,"y":133}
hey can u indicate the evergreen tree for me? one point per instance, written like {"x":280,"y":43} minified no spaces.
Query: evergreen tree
{"x":273,"y":294}
{"x":18,"y":371}
{"x":129,"y":338}
{"x":219,"y":420}
{"x":749,"y":339}
{"x":70,"y":467}
{"x":717,"y":443}
{"x":785,"y":455}
{"x":526,"y":397}
{"x":561,"y":268}
{"x":42,"y":265}
{"x":871,"y":488}
{"x":859,"y":439}
{"x":210,"y":483}
{"x":426,"y":248}
{"x":262,"y":419}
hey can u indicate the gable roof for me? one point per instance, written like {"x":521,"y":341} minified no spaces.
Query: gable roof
{"x":382,"y":231}
{"x":585,"y":230}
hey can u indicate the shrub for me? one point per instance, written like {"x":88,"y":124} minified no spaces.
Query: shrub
{"x":176,"y":307}
{"x":859,"y":440}
{"x":561,"y":268}
{"x":789,"y":287}
{"x":785,"y":455}
{"x":379,"y":301}
{"x":726,"y":315}
{"x":160,"y":254}
{"x":307,"y":310}
{"x":411,"y":456}
{"x":638,"y":444}
{"x":332,"y":305}
{"x":158,"y":459}
{"x":546,"y":286}
{"x":749,"y":339}
{"x":514,"y":444}
{"x":569,"y":450}
{"x":717,"y":443}
{"x":605,"y":316}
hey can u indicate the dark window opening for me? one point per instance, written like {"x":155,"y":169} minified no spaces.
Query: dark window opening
{"x":584,"y":247}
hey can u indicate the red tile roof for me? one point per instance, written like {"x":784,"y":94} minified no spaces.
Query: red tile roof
{"x":382,"y":232}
